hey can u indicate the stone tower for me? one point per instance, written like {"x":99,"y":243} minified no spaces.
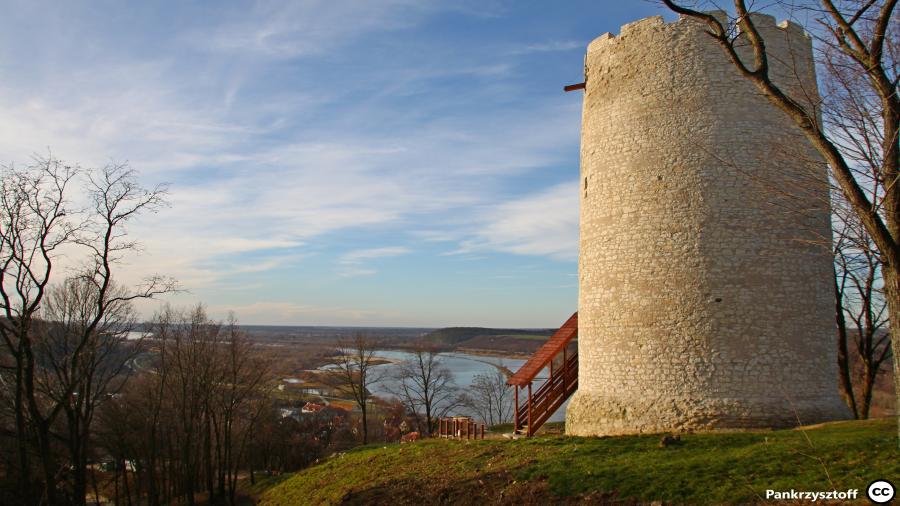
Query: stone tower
{"x":706,"y":298}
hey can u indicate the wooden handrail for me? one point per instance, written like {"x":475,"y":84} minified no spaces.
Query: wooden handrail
{"x":553,"y":384}
{"x":546,"y":353}
{"x":553,"y":381}
{"x":540,"y":405}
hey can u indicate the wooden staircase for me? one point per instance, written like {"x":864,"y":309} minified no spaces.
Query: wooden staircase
{"x":562,"y":382}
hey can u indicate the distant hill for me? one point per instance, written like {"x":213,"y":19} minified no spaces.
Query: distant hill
{"x":456,"y":336}
{"x":506,"y":342}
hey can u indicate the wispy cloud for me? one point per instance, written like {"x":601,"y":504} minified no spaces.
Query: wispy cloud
{"x":544,"y":223}
{"x":290,"y":313}
{"x":290,"y":29}
{"x":548,"y":47}
{"x":354,"y":263}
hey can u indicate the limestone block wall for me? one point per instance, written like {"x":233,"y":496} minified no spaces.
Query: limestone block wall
{"x":706,"y":299}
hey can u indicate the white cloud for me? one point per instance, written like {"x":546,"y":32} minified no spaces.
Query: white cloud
{"x":290,"y":313}
{"x":298,"y":28}
{"x":351,"y":264}
{"x":141,"y":118}
{"x":368,"y":254}
{"x":434,"y":235}
{"x":548,"y":46}
{"x":544,"y":223}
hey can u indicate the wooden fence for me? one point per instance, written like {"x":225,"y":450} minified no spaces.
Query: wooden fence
{"x":459,"y":427}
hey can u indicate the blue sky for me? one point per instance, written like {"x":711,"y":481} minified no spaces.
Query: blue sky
{"x":394,"y":162}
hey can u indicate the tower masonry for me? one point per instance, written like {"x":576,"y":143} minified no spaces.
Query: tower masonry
{"x":706,"y":297}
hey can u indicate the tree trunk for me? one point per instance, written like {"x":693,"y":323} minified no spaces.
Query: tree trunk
{"x":869,"y":376}
{"x":892,"y":296}
{"x":223,"y":445}
{"x":843,"y":357}
{"x":78,"y":457}
{"x":48,"y":463}
{"x":41,"y":425}
{"x":208,"y":459}
{"x":152,"y":485}
{"x":365,"y":425}
{"x":118,"y":499}
{"x":21,"y":440}
{"x":125,"y":486}
{"x":95,"y":486}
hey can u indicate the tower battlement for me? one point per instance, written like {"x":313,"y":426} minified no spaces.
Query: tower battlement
{"x":787,"y":43}
{"x":656,"y":23}
{"x":652,"y":41}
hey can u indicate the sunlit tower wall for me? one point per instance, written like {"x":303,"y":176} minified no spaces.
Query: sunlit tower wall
{"x":706,"y":296}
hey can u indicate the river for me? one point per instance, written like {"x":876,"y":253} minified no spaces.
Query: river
{"x":464,"y":368}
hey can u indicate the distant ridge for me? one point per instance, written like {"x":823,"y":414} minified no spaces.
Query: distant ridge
{"x":453,"y":336}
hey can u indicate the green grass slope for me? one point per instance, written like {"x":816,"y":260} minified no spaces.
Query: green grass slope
{"x":724,"y":468}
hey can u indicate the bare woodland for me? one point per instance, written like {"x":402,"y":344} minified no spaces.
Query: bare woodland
{"x":185,"y":426}
{"x":96,"y":405}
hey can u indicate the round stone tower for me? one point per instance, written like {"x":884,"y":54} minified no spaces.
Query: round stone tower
{"x":706,"y":297}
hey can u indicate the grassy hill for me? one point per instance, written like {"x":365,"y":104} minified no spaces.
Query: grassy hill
{"x":724,"y":468}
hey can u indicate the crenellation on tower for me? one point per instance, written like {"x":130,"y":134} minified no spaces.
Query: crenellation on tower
{"x":720,"y":15}
{"x":599,"y":41}
{"x":641,"y":24}
{"x":790,"y":26}
{"x":761,"y":20}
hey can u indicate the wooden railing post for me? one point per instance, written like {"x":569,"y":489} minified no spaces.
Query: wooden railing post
{"x":530,"y":408}
{"x":516,"y":417}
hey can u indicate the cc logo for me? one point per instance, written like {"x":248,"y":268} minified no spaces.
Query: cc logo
{"x":880,"y":491}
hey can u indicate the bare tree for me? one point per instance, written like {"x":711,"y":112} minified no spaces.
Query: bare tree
{"x":860,"y":43}
{"x":237,"y":405}
{"x":860,"y":301}
{"x":353,"y":368}
{"x":491,"y":398}
{"x":426,"y":387}
{"x":37,"y":222}
{"x":98,"y":372}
